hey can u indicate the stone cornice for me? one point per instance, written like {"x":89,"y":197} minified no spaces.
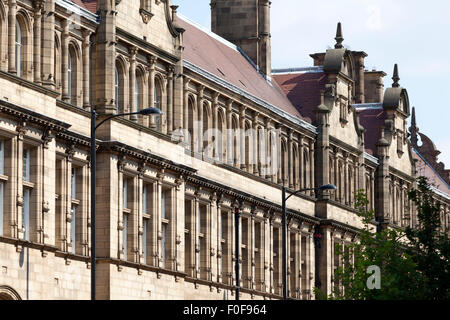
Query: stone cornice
{"x":146,"y":156}
{"x":28,"y":84}
{"x":132,"y":39}
{"x":31,"y":116}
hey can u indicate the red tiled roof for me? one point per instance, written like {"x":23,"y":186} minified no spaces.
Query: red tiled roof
{"x":90,"y":5}
{"x":225,"y":62}
{"x":372,"y":120}
{"x":425,"y":169}
{"x":303,"y":90}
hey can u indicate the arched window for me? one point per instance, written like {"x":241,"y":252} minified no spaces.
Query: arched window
{"x":247,"y":144}
{"x":19,"y":44}
{"x":191,"y":110}
{"x":136,"y":93}
{"x":157,"y":101}
{"x":284,"y":159}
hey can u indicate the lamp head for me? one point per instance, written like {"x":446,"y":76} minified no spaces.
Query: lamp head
{"x":150,"y":111}
{"x":328,"y":187}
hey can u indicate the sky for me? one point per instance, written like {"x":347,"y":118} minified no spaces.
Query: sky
{"x":415,"y":34}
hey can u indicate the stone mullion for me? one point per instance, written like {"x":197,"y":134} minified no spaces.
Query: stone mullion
{"x":178,"y":116}
{"x":336,"y":177}
{"x":120,"y":226}
{"x":12,"y":11}
{"x":252,"y":252}
{"x":196,"y":228}
{"x":220,"y":254}
{"x":48,"y":44}
{"x":200,"y":119}
{"x":242,"y":156}
{"x":86,"y":69}
{"x":186,"y":105}
{"x":140,"y":219}
{"x":291,"y":163}
{"x":346,"y":181}
{"x":302,"y":163}
{"x":37,"y":228}
{"x":133,"y":220}
{"x":65,"y":61}
{"x":37,"y":41}
{"x":144,"y":96}
{"x":151,"y":94}
{"x":217,"y":134}
{"x":133,"y":84}
{"x":232,"y":247}
{"x":170,"y":100}
{"x":299,"y":254}
{"x":158,"y":222}
{"x":85,"y":211}
{"x":271,"y":282}
{"x":267,"y":152}
{"x":68,"y":204}
{"x":209,"y":240}
{"x":256,"y":143}
{"x":310,"y":274}
{"x":230,"y":151}
{"x":179,"y":222}
{"x":288,"y":260}
{"x":172,"y":230}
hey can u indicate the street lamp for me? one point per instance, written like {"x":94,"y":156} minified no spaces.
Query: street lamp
{"x":94,"y":127}
{"x":284,"y":226}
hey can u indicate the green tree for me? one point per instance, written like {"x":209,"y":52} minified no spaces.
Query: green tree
{"x":404,"y":257}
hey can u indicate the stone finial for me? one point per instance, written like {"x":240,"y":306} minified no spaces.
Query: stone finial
{"x":339,"y":38}
{"x":414,"y":130}
{"x":396,"y":78}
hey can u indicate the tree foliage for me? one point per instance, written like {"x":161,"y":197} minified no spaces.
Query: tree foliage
{"x":414,"y":263}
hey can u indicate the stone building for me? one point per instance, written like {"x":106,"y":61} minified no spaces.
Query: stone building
{"x":232,"y":133}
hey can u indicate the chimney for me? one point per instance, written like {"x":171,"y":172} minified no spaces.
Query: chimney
{"x":246,"y":23}
{"x":374,"y":86}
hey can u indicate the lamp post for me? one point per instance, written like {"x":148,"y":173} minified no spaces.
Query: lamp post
{"x":284,"y":226}
{"x":94,"y":128}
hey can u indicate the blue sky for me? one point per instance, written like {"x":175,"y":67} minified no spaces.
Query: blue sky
{"x":415,"y":34}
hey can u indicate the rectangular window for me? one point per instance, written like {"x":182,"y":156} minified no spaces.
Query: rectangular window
{"x":144,"y":199}
{"x":26,"y":167}
{"x":125,"y":193}
{"x":26,"y":213}
{"x":163,"y":205}
{"x":74,"y":183}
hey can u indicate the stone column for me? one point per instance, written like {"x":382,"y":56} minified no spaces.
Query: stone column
{"x":230,"y":151}
{"x":151,"y":81}
{"x":133,"y":84}
{"x":48,"y":45}
{"x":86,"y":67}
{"x":178,"y":115}
{"x":65,"y":61}
{"x":198,"y":122}
{"x":256,"y":143}
{"x":217,"y":135}
{"x":171,"y":71}
{"x":291,"y":163}
{"x":12,"y":4}
{"x":120,"y":226}
{"x":68,"y":200}
{"x":38,"y":5}
{"x":241,"y":163}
